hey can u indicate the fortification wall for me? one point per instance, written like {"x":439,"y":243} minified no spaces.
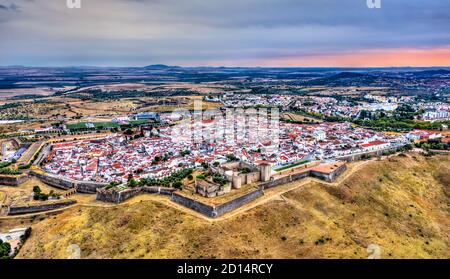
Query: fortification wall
{"x":284,"y":180}
{"x":150,"y":189}
{"x":158,"y":190}
{"x":208,"y":189}
{"x":238,"y":202}
{"x":219,"y":210}
{"x":236,"y":181}
{"x":55,"y":181}
{"x":107,"y":196}
{"x":355,"y":157}
{"x":194,"y":205}
{"x":231,"y":165}
{"x":15,"y":210}
{"x":329,"y":177}
{"x":252,"y":177}
{"x":89,"y":187}
{"x":13,"y":180}
{"x":113,"y":196}
{"x":248,"y":165}
{"x":128,"y":193}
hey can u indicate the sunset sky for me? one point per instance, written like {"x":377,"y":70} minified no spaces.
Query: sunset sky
{"x":225,"y":33}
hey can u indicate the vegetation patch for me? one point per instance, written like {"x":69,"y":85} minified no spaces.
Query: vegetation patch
{"x":292,"y":165}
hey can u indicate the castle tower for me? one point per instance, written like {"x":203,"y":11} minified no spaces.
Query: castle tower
{"x":237,"y":182}
{"x":266,"y":171}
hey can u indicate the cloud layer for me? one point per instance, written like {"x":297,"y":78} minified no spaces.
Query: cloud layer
{"x":232,"y":32}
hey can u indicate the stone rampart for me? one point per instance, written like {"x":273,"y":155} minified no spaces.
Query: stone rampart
{"x":16,"y":210}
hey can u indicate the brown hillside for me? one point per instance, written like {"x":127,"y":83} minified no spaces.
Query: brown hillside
{"x":400,"y":204}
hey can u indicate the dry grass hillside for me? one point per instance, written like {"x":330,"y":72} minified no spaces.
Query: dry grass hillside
{"x":401,"y":204}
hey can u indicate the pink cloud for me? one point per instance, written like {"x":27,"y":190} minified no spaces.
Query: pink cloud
{"x":364,"y":58}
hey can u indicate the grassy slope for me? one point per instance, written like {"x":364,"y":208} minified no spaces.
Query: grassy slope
{"x":401,"y":204}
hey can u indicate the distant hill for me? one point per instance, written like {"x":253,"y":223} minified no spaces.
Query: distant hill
{"x":345,"y":79}
{"x":432,"y":73}
{"x":161,"y":67}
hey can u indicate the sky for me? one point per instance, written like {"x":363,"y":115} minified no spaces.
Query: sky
{"x":273,"y":33}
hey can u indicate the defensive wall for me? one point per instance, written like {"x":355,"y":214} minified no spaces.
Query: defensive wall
{"x":118,"y":196}
{"x":214,"y":211}
{"x":89,"y":187}
{"x":12,"y":180}
{"x":24,"y":209}
{"x":328,"y":176}
{"x":195,"y":205}
{"x":358,"y":156}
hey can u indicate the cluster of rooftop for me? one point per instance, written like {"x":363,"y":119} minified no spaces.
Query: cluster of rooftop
{"x":171,"y":148}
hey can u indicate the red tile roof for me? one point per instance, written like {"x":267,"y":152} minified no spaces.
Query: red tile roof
{"x":374,"y":143}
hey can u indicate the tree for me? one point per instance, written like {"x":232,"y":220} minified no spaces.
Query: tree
{"x":130,"y":177}
{"x":177,"y":185}
{"x":205,"y":165}
{"x":36,"y":189}
{"x":128,"y":132}
{"x":5,"y":250}
{"x":132,"y":183}
{"x":185,"y":152}
{"x":231,"y":158}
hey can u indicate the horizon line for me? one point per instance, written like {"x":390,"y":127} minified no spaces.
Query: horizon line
{"x":212,"y":66}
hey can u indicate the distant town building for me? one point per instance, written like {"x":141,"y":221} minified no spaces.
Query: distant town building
{"x":375,"y":145}
{"x":147,"y":116}
{"x":90,"y":125}
{"x":121,"y":119}
{"x":381,"y":106}
{"x":13,"y":238}
{"x":435,"y":115}
{"x":319,"y":134}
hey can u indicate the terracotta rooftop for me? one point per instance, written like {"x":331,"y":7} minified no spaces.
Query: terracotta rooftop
{"x":328,"y":168}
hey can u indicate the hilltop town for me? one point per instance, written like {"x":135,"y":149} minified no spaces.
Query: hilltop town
{"x":212,"y":150}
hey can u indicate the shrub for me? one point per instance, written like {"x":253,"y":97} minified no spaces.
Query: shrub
{"x":177,"y":185}
{"x":244,"y":170}
{"x":205,"y":165}
{"x":9,"y":171}
{"x":5,"y":250}
{"x":231,"y":158}
{"x":36,"y":189}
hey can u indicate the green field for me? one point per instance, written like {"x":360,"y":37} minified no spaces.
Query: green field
{"x":137,"y":122}
{"x":76,"y":126}
{"x":101,"y":125}
{"x":291,"y":166}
